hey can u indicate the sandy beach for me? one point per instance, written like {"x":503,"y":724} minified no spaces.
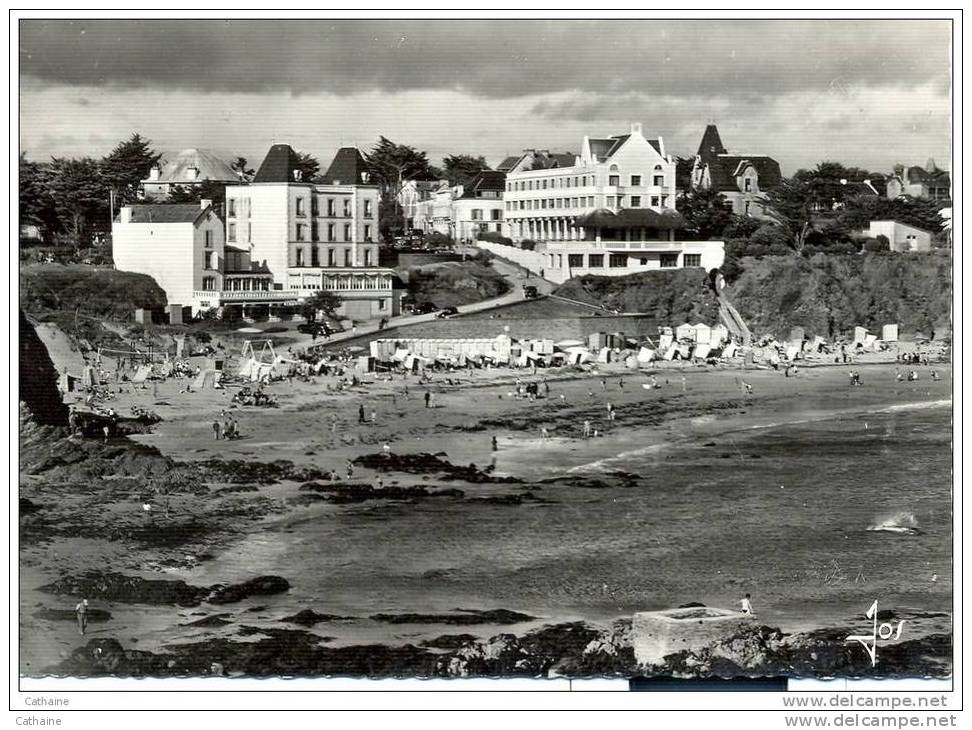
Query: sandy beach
{"x":654,"y":488}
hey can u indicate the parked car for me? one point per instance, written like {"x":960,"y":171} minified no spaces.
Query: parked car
{"x":314,"y":328}
{"x":530,"y":292}
{"x":423,"y":308}
{"x":447,"y":312}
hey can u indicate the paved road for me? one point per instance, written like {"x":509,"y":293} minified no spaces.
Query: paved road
{"x":514,"y":274}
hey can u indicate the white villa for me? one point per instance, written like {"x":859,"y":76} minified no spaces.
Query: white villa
{"x":283,"y":240}
{"x":611,"y":212}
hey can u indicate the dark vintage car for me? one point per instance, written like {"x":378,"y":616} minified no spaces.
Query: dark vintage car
{"x":424,"y":308}
{"x":314,"y":328}
{"x":530,"y":292}
{"x":447,"y":312}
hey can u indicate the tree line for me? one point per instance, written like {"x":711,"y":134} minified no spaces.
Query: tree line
{"x":67,"y":199}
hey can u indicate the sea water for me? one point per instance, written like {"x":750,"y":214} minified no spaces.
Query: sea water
{"x":780,"y":512}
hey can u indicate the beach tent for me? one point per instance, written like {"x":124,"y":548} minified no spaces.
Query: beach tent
{"x":669,"y":353}
{"x":718,"y":335}
{"x":665,"y":341}
{"x":730,"y":349}
{"x":889,"y":333}
{"x":604,"y":356}
{"x":88,"y":377}
{"x":791,"y":352}
{"x":797,"y":335}
{"x":645,"y":355}
{"x":684,"y":351}
{"x":685,"y":332}
{"x":141,"y":375}
{"x":66,"y":382}
{"x":860,"y":333}
{"x":817,"y":343}
{"x":702,"y":351}
{"x":206,"y":379}
{"x":870,"y":342}
{"x":703,"y":333}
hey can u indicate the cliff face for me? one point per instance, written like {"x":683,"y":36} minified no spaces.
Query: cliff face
{"x":38,"y":379}
{"x":826,"y":294}
{"x":673,"y":297}
{"x":829,"y":294}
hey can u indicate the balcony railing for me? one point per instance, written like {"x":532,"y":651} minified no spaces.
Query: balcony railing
{"x":247,"y":295}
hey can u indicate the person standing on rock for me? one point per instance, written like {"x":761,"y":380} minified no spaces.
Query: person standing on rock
{"x":81,"y":612}
{"x":350,"y":469}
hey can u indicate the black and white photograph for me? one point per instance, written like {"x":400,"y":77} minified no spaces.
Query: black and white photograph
{"x":509,"y":348}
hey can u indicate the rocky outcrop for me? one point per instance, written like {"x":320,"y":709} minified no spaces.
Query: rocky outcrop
{"x":38,"y":380}
{"x":133,"y":589}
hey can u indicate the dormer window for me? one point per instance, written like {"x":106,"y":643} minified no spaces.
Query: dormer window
{"x":192,"y":173}
{"x":748,"y":184}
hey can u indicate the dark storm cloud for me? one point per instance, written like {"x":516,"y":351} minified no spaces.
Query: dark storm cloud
{"x":493,"y":59}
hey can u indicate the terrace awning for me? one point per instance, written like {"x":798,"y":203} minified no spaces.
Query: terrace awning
{"x":632,"y":218}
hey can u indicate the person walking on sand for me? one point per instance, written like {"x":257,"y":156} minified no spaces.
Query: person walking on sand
{"x":587,"y":429}
{"x":374,"y":417}
{"x":748,"y":388}
{"x":544,"y":433}
{"x":350,"y":469}
{"x":428,"y":398}
{"x":495,"y":444}
{"x":216,"y":430}
{"x":746,"y":605}
{"x":81,"y":613}
{"x":361,"y":418}
{"x":610,"y":412}
{"x":386,"y":449}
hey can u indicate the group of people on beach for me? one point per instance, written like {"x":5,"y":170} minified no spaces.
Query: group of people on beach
{"x":225,"y":427}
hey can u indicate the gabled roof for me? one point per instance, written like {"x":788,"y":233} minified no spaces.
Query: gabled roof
{"x":492,"y":180}
{"x":209,"y":166}
{"x":278,"y":166}
{"x":723,"y":170}
{"x":167,"y":213}
{"x":711,"y":144}
{"x":921,"y":175}
{"x":347,"y":168}
{"x":601,"y":148}
{"x":508,"y":164}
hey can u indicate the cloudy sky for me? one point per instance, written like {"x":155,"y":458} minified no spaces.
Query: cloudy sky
{"x":869,"y":93}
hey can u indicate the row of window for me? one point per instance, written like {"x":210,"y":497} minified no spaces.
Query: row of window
{"x":494,"y":215}
{"x":343,"y":283}
{"x":301,"y":258}
{"x":634,"y":201}
{"x":620,"y":261}
{"x":300,"y":207}
{"x":301,"y":232}
{"x":580,"y":181}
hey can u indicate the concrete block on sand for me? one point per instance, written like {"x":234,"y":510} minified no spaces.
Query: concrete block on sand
{"x":660,"y":633}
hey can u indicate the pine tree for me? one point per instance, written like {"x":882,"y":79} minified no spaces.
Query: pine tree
{"x":124,"y":168}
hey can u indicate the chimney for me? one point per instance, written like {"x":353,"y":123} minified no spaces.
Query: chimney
{"x":204,"y":203}
{"x":125,"y":214}
{"x":636,"y":129}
